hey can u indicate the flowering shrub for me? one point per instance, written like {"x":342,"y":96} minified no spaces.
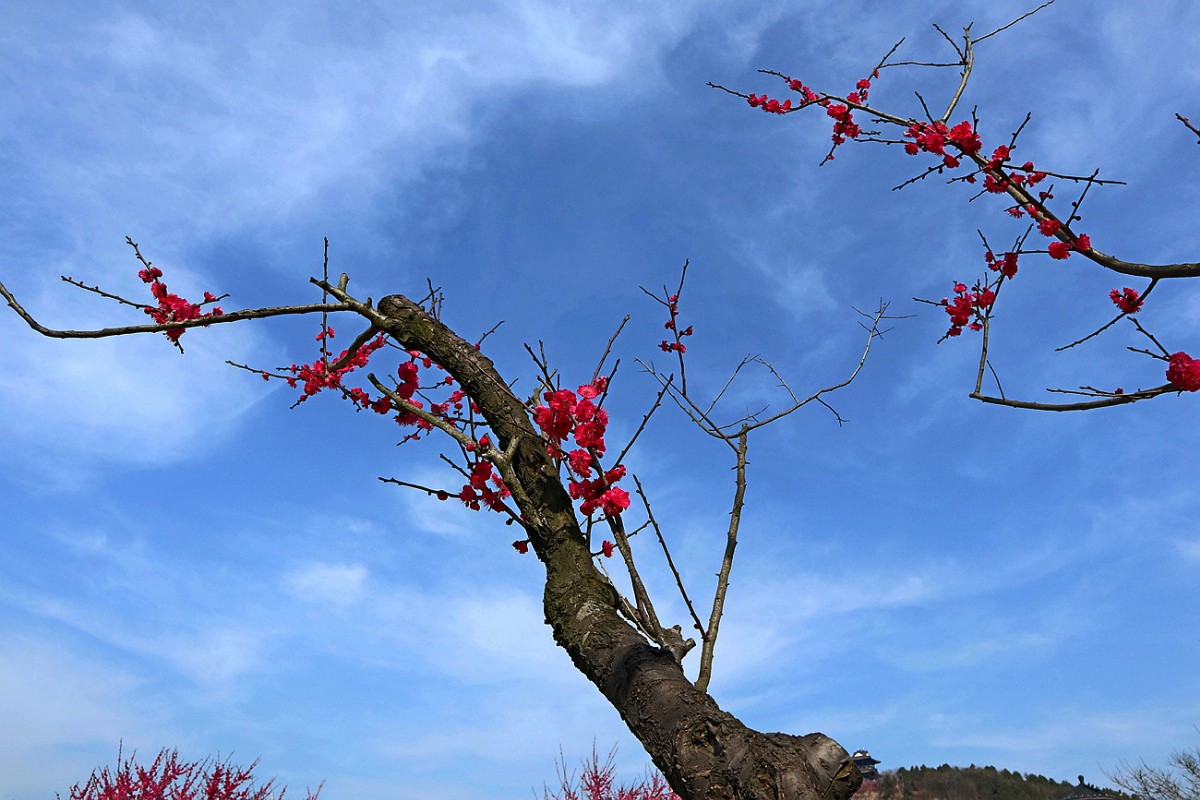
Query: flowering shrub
{"x":168,"y":778}
{"x":597,"y":782}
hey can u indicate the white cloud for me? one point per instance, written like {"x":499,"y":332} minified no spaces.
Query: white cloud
{"x":446,"y":518}
{"x":252,"y":117}
{"x":51,"y":696}
{"x":69,"y":407}
{"x":338,"y":584}
{"x":1189,"y":548}
{"x":212,"y":654}
{"x":216,"y":654}
{"x":60,"y":696}
{"x":1087,"y":731}
{"x":966,"y":653}
{"x":506,"y":631}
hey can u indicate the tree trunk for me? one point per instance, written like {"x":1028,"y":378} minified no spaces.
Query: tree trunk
{"x":704,"y":752}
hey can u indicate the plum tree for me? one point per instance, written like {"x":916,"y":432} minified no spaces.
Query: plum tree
{"x":542,"y":460}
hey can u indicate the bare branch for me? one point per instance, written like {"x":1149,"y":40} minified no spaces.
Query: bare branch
{"x":1105,"y":401}
{"x":1187,"y":123}
{"x":951,"y":42}
{"x":1165,"y":353}
{"x":645,"y":607}
{"x":540,"y":361}
{"x":1015,"y":21}
{"x":203,"y":322}
{"x":102,"y":293}
{"x":608,"y":347}
{"x":729,"y":382}
{"x":883,"y":61}
{"x":731,"y":534}
{"x":968,"y":63}
{"x":645,"y":420}
{"x":325,"y":314}
{"x":432,"y":492}
{"x":873,"y":332}
{"x":1108,"y":324}
{"x":667,"y":553}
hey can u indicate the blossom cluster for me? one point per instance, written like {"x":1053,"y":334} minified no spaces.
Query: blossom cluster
{"x":933,"y":137}
{"x":484,"y":486}
{"x":171,"y":307}
{"x":844,"y":125}
{"x":1006,"y":264}
{"x":769,"y":105}
{"x":999,"y":177}
{"x":320,"y":374}
{"x":568,"y":414}
{"x":1184,"y":372}
{"x":968,"y":307}
{"x":671,"y":325}
{"x":1128,"y":300}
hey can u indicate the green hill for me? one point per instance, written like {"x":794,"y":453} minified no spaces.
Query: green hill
{"x":969,"y":783}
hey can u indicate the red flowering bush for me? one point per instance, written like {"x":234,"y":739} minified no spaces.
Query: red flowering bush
{"x":597,"y":782}
{"x":168,"y":778}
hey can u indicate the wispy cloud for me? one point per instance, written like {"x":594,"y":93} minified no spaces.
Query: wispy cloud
{"x":66,"y":412}
{"x":340,"y":585}
{"x":57,"y":701}
{"x":909,"y":576}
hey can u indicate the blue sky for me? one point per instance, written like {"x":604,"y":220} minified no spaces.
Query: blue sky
{"x":186,"y":563}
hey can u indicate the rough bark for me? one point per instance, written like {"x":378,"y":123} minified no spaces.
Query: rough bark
{"x":702,"y":751}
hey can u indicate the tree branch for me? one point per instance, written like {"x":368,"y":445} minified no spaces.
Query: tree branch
{"x":125,"y":330}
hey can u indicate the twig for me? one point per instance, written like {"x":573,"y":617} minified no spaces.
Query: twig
{"x":1189,"y":126}
{"x":645,"y":420}
{"x":488,"y":333}
{"x":667,"y":553}
{"x":608,"y":348}
{"x":102,"y":293}
{"x":1111,"y":400}
{"x":325,"y":314}
{"x":731,"y":534}
{"x":1110,"y":323}
{"x":235,"y":316}
{"x":1015,"y":21}
{"x":967,"y":54}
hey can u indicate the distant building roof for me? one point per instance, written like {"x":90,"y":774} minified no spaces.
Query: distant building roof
{"x":866,"y":765}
